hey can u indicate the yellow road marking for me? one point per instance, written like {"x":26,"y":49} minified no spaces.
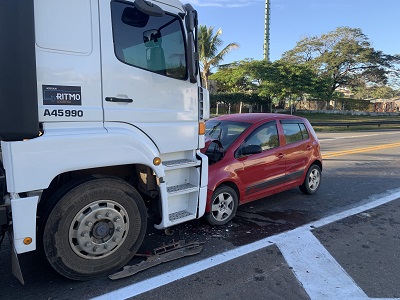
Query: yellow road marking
{"x":360,"y":150}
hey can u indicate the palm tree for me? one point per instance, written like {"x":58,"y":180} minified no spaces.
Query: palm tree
{"x":208,"y":50}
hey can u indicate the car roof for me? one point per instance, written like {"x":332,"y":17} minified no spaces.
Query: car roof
{"x":256,"y":117}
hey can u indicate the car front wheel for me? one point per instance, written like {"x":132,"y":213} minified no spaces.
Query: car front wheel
{"x":223,"y":206}
{"x":312,"y":181}
{"x":93,"y":228}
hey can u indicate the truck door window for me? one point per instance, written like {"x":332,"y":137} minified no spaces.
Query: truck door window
{"x":152,"y":43}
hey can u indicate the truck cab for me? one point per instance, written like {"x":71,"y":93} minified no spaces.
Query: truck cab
{"x":101,"y":107}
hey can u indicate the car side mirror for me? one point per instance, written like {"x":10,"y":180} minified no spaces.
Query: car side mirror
{"x":251,"y":149}
{"x":214,"y":151}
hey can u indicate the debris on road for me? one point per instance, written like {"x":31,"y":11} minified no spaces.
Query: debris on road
{"x":161,"y":255}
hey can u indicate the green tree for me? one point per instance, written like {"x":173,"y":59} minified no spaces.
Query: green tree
{"x":378,"y":92}
{"x":233,"y":86}
{"x":343,"y":58}
{"x":266,"y":80}
{"x":209,"y":54}
{"x":232,"y":99}
{"x":282,"y":79}
{"x":232,"y":78}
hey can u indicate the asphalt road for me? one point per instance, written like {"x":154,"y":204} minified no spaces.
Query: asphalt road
{"x":286,"y":246}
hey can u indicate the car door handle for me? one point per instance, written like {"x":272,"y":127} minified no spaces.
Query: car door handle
{"x":280,"y":155}
{"x":124,"y":100}
{"x":308,"y":148}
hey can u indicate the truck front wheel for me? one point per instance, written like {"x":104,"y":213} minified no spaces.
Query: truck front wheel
{"x":93,"y":228}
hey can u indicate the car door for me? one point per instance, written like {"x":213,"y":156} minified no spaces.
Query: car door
{"x":297,"y":150}
{"x":263,"y":172}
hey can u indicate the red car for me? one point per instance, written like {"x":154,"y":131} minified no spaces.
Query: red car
{"x":255,"y":155}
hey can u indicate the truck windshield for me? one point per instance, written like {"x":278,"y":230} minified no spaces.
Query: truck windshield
{"x":152,"y":43}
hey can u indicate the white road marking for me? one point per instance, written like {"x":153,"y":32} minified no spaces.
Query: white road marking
{"x":288,"y":242}
{"x":319,"y":273}
{"x":356,"y":136}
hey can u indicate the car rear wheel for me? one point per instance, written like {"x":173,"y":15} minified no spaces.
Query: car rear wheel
{"x":223,"y":206}
{"x":312,"y":181}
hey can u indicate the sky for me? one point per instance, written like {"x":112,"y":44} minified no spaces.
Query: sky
{"x":242,"y":21}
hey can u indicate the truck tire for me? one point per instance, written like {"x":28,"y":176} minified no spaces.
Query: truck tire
{"x":93,"y":228}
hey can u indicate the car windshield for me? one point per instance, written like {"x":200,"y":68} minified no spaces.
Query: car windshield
{"x":225,"y":131}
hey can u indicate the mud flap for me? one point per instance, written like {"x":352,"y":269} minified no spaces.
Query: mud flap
{"x":161,"y":255}
{"x":16,"y":268}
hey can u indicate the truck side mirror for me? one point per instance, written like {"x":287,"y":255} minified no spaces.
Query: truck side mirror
{"x":152,"y":38}
{"x":193,"y":55}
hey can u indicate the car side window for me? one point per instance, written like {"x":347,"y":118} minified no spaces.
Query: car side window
{"x":265,"y":136}
{"x":304,"y":131}
{"x":294,"y":132}
{"x":151,"y":43}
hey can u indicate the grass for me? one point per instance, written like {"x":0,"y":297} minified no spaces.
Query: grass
{"x":320,"y":117}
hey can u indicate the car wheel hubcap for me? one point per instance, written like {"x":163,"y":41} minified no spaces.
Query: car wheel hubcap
{"x":222,"y":206}
{"x":314,"y":179}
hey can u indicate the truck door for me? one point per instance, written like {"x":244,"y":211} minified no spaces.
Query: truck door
{"x":144,"y":74}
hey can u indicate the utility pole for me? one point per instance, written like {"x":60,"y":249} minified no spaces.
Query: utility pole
{"x":266,"y":30}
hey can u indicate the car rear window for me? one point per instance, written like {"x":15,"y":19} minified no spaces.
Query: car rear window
{"x":294,"y":131}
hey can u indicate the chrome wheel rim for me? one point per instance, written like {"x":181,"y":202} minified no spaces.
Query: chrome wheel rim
{"x":98,"y":229}
{"x":222,"y":206}
{"x":314,"y":179}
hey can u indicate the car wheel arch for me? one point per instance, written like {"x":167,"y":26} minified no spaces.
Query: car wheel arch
{"x":318,"y":163}
{"x":232,"y":185}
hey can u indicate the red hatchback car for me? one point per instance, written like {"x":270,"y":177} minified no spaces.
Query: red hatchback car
{"x":255,"y":155}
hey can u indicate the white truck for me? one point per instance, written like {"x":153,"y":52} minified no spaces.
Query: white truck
{"x":101,"y":106}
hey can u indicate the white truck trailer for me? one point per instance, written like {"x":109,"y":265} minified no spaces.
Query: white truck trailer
{"x":101,"y":106}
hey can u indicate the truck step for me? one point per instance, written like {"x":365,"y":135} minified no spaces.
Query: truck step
{"x":181,"y":189}
{"x":179,"y":215}
{"x":180,"y":163}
